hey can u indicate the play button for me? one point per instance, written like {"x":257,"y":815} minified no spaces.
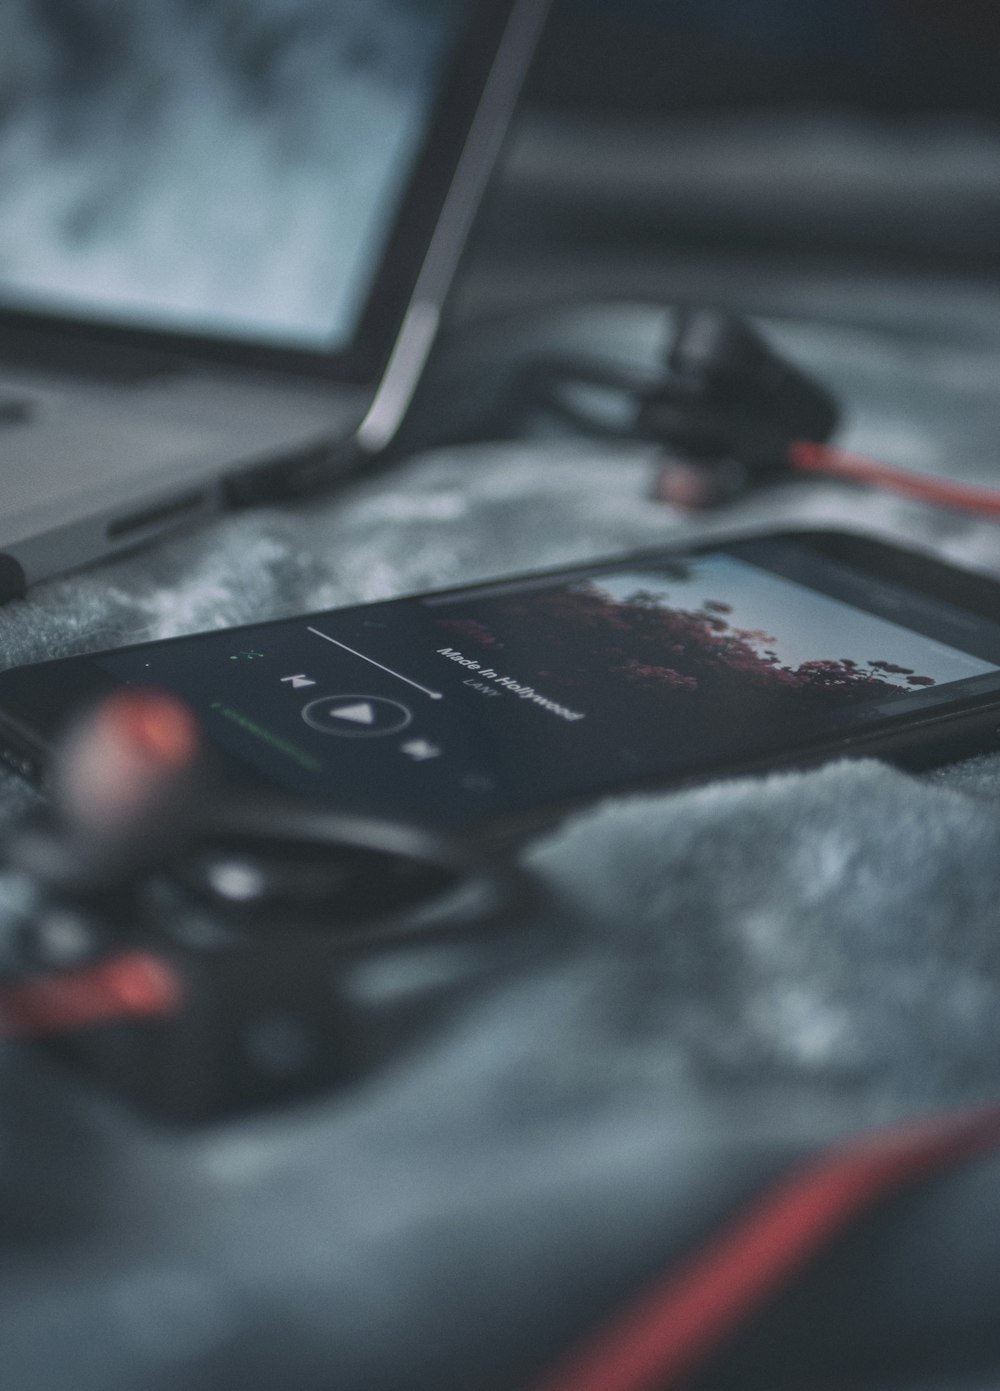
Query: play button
{"x":356,"y":716}
{"x":363,"y":713}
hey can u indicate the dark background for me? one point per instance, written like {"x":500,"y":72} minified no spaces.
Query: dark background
{"x":686,"y":55}
{"x":761,"y":155}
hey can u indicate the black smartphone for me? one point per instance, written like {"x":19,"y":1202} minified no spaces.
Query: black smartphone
{"x":497,"y":707}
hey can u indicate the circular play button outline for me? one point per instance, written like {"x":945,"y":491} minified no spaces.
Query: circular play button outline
{"x":396,"y":716}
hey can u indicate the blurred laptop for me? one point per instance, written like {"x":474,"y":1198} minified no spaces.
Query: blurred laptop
{"x":226,"y":232}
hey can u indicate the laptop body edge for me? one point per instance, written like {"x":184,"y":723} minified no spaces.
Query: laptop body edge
{"x":263,"y":433}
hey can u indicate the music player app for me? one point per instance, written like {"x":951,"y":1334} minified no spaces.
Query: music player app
{"x":457,"y":707}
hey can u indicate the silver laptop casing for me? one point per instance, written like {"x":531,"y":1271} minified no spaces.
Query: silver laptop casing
{"x":93,"y":464}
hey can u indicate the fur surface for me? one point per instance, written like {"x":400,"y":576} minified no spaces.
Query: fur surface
{"x":834,"y":929}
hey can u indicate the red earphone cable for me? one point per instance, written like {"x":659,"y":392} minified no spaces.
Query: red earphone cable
{"x":805,"y":456}
{"x":686,"y":1318}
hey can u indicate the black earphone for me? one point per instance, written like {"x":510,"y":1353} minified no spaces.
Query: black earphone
{"x":727,"y":410}
{"x":199,"y":955}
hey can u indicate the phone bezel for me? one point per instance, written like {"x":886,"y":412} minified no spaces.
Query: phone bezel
{"x":34,"y":707}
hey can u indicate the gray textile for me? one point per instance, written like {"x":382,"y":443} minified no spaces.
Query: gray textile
{"x":834,"y":929}
{"x":763,"y":965}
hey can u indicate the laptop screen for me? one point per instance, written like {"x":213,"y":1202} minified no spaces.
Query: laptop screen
{"x":233,"y":170}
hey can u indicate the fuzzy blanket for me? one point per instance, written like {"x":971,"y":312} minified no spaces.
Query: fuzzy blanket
{"x":834,"y":927}
{"x":785,"y":957}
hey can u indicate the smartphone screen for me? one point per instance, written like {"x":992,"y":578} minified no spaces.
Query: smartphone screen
{"x":489,"y":703}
